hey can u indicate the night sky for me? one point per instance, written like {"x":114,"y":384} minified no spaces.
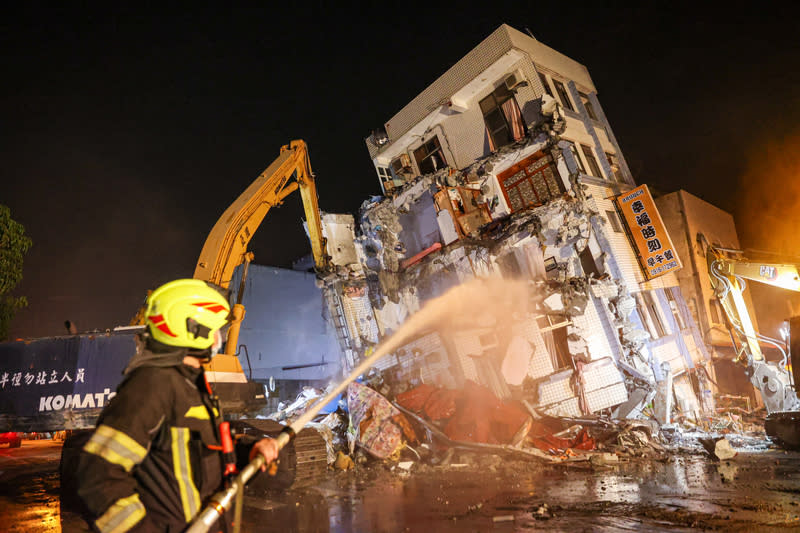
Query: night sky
{"x":125,"y":134}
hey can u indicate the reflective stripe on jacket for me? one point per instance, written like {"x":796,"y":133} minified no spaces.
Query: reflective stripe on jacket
{"x":148,"y":465}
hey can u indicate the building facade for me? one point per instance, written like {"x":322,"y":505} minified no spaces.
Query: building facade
{"x":506,"y":165}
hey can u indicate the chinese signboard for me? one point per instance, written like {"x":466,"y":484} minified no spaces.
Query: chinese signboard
{"x":649,"y":236}
{"x":60,"y":382}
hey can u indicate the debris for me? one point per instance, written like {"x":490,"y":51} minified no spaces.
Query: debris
{"x":344,"y":462}
{"x":719,"y":448}
{"x":379,"y":426}
{"x":604,"y":459}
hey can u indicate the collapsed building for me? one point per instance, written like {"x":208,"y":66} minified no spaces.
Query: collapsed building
{"x":507,"y":165}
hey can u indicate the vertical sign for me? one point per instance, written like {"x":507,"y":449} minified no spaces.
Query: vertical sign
{"x":649,"y":236}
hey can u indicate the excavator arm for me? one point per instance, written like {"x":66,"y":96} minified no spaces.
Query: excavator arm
{"x":728,"y":272}
{"x":226,"y":245}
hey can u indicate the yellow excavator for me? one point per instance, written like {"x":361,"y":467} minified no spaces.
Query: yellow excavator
{"x":728,"y":269}
{"x":226,"y":245}
{"x":225,"y":249}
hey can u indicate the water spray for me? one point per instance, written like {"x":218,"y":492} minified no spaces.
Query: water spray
{"x":477,"y":290}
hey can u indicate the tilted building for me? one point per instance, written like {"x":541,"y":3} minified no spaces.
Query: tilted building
{"x":506,"y":164}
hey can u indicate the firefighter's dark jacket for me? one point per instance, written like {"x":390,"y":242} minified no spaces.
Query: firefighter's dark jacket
{"x":150,"y":464}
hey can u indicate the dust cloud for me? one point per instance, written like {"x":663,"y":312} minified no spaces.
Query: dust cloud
{"x":481,"y":302}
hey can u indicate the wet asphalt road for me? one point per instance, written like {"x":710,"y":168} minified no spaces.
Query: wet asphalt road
{"x":755,"y":491}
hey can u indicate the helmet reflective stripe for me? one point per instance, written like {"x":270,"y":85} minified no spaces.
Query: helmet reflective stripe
{"x":212,"y":306}
{"x":158,"y":321}
{"x":186,"y":313}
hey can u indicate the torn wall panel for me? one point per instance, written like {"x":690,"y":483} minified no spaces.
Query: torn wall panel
{"x":556,"y":396}
{"x":669,"y":352}
{"x":541,"y":362}
{"x":339,"y":230}
{"x":358,"y":312}
{"x":603,"y":384}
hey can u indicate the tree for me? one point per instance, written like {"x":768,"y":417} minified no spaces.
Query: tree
{"x":14,"y":244}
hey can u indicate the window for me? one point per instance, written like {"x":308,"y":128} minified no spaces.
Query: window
{"x":562,"y":95}
{"x":554,"y":334}
{"x":530,"y":182}
{"x":546,"y":85}
{"x":578,"y":160}
{"x":588,"y":263}
{"x":588,"y":105}
{"x":509,"y":266}
{"x":673,"y":306}
{"x":593,"y":166}
{"x":646,"y":306}
{"x":550,"y":264}
{"x":401,"y":167}
{"x":430,"y":156}
{"x":613,"y":218}
{"x":384,"y":174}
{"x":613,"y":162}
{"x":502,"y":117}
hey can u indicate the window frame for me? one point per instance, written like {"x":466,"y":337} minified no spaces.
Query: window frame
{"x":578,"y":161}
{"x":499,"y":96}
{"x":592,"y":160}
{"x":676,"y":310}
{"x":648,"y":312}
{"x":616,"y":169}
{"x":588,"y":105}
{"x":562,"y":359}
{"x":563,"y":95}
{"x":613,"y":219}
{"x":422,"y":162}
{"x":546,"y":85}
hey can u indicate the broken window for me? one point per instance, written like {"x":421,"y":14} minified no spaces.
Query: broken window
{"x":509,"y":266}
{"x":613,"y":162}
{"x":545,"y":85}
{"x":563,"y":95}
{"x":578,"y":160}
{"x":502,"y":117}
{"x":401,"y":167}
{"x":554,"y":332}
{"x":551,"y":268}
{"x":646,"y":307}
{"x":588,"y":105}
{"x":593,"y":166}
{"x":429,"y":156}
{"x":386,"y":178}
{"x":613,"y":218}
{"x":530,"y":182}
{"x":676,"y":311}
{"x":588,"y":263}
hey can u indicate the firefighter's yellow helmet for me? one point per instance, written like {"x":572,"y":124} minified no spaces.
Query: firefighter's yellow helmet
{"x":186,"y":313}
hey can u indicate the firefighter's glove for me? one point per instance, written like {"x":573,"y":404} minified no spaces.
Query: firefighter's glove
{"x":268,"y":448}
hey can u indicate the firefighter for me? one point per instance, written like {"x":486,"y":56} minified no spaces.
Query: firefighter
{"x":155,"y":457}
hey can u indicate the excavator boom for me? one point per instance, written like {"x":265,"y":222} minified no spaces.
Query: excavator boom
{"x":226,"y":245}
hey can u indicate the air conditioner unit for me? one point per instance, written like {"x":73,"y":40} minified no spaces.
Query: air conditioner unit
{"x":514,"y":81}
{"x":401,"y":163}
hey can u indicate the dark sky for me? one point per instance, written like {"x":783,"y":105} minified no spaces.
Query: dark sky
{"x":124,"y":134}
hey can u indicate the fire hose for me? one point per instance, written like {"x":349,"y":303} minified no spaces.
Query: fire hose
{"x":224,"y":499}
{"x":476,"y":290}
